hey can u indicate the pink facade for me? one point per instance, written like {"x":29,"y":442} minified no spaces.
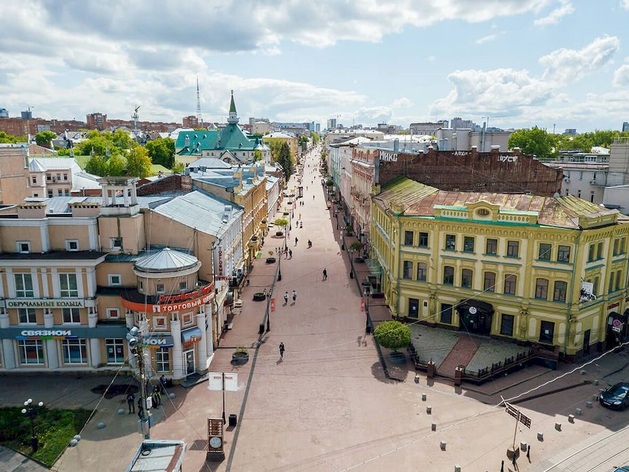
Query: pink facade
{"x":362,"y":181}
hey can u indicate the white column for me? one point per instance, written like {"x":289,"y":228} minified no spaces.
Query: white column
{"x":45,"y":240}
{"x":175,"y":330}
{"x":125,"y":196}
{"x":44,"y":283}
{"x":51,"y":344}
{"x":201,"y":357}
{"x":7,"y":344}
{"x":35,"y":283}
{"x":56,"y":289}
{"x":105,"y":195}
{"x":92,"y":319}
{"x":93,"y":237}
{"x":134,"y":195}
{"x":209,"y":334}
{"x":79,"y":282}
{"x":10,"y":283}
{"x":91,"y":282}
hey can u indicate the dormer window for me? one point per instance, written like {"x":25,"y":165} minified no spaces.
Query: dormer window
{"x":115,"y":243}
{"x":24,"y":247}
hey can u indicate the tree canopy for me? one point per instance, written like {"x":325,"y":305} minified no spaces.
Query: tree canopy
{"x":44,"y":138}
{"x":534,"y":141}
{"x":315,"y":138}
{"x":138,"y":162}
{"x":98,"y":143}
{"x":393,"y":335}
{"x":284,"y":159}
{"x":9,"y":139}
{"x":162,"y":151}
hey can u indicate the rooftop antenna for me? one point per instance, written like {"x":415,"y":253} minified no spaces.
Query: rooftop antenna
{"x":199,"y":117}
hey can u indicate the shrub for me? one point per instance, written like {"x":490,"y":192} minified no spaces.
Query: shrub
{"x":393,"y":335}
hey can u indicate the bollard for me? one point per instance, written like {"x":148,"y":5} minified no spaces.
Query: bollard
{"x":595,"y":381}
{"x":540,"y":436}
{"x":442,"y":445}
{"x":594,"y":398}
{"x":120,"y":411}
{"x":524,"y":446}
{"x":101,"y":425}
{"x":558,"y":426}
{"x":423,"y":397}
{"x":429,"y":410}
{"x":433,"y":426}
{"x":578,"y":411}
{"x":588,"y":404}
{"x":457,"y":468}
{"x":583,"y":372}
{"x":416,"y":378}
{"x":570,"y":418}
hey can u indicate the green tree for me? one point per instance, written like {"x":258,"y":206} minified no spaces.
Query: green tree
{"x":178,"y":168}
{"x":257,"y":156}
{"x":315,"y":138}
{"x":138,"y":162}
{"x":44,"y":139}
{"x":63,"y":152}
{"x":121,"y":139}
{"x":534,"y":141}
{"x":283,"y":222}
{"x":393,"y":335}
{"x":115,"y":165}
{"x":7,"y":138}
{"x":284,"y":159}
{"x":97,"y":166}
{"x":162,"y":151}
{"x":275,"y":144}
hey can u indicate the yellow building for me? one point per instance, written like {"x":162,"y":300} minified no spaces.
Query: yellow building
{"x":512,"y":266}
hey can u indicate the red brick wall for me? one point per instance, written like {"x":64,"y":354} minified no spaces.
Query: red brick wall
{"x":169,"y":183}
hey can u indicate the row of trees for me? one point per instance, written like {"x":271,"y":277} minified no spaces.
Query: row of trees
{"x":546,"y":145}
{"x":10,"y":139}
{"x":136,"y":163}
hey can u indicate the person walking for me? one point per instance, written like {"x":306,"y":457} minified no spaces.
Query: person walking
{"x":285,"y":298}
{"x":325,"y":274}
{"x":131,"y":402}
{"x":157,"y":396}
{"x":294,"y":296}
{"x":140,"y":409}
{"x":290,"y":253}
{"x":296,"y":240}
{"x":282,"y":349}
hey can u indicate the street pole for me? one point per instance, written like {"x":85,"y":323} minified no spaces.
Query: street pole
{"x":223,"y":397}
{"x":134,"y":339}
{"x":31,"y":412}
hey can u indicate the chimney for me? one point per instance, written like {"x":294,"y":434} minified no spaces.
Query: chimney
{"x":31,"y":210}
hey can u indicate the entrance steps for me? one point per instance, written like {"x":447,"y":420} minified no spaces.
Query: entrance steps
{"x":461,"y":354}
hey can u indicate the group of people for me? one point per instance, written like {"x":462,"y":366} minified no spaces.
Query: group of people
{"x":156,"y":398}
{"x":286,"y":297}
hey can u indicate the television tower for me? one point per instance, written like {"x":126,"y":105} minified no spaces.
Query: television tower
{"x":199,"y":117}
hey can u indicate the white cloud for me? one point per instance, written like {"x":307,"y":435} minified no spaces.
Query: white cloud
{"x":431,"y":58}
{"x":624,"y":4}
{"x":489,"y":37}
{"x":621,"y":76}
{"x":557,"y":14}
{"x":402,"y":103}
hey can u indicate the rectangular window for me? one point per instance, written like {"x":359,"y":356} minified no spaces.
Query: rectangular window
{"x":187,"y":319}
{"x":24,"y":286}
{"x":591,"y":252}
{"x":421,"y":271}
{"x":623,"y":241}
{"x":541,"y":289}
{"x":446,"y":313}
{"x":423,"y":239}
{"x":599,"y":251}
{"x":563,"y":254}
{"x":615,"y":251}
{"x":34,"y":180}
{"x":448,"y":275}
{"x":72,"y":245}
{"x":513,"y":248}
{"x":162,"y":360}
{"x":113,"y":313}
{"x":159,"y":288}
{"x":71,"y":315}
{"x":49,"y":193}
{"x":68,"y":286}
{"x":466,"y":278}
{"x":413,"y":308}
{"x":27,"y":315}
{"x":65,"y":177}
{"x":510,"y":283}
{"x":408,"y":270}
{"x":559,"y":295}
{"x":408,"y":238}
{"x":115,"y":243}
{"x":506,"y":325}
{"x":159,"y":323}
{"x":183,"y":286}
{"x":595,"y":288}
{"x":60,"y":193}
{"x":492,"y":247}
{"x":450,"y":242}
{"x":74,"y":351}
{"x":23,"y":247}
{"x":31,"y":352}
{"x":610,"y":287}
{"x":468,"y":244}
{"x":115,"y":351}
{"x":547,"y":332}
{"x":545,"y":251}
{"x":619,"y":280}
{"x":115,"y":280}
{"x":489,"y":282}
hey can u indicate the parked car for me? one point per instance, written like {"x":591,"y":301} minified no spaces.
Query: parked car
{"x":616,"y":396}
{"x":624,"y":468}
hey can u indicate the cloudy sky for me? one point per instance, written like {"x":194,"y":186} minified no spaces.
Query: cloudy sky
{"x":519,"y":62}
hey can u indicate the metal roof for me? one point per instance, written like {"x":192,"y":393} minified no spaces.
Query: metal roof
{"x":166,"y":260}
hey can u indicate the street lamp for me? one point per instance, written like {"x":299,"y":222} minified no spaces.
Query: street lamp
{"x":32,"y":412}
{"x":366,"y":292}
{"x":134,"y":339}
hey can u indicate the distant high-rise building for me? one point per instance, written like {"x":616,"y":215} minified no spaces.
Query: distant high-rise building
{"x":625,"y":126}
{"x":460,"y":123}
{"x":191,"y":121}
{"x":332,"y":123}
{"x":318,"y":128}
{"x":570,"y":132}
{"x":96,"y":121}
{"x":4,"y":113}
{"x":27,"y":115}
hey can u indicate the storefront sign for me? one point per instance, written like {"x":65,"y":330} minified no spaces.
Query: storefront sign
{"x":186,"y":296}
{"x":45,"y":334}
{"x":154,"y":341}
{"x":507,"y":158}
{"x":43,"y":303}
{"x":388,"y":156}
{"x":191,"y":336}
{"x":613,"y":305}
{"x":208,"y":292}
{"x":220,"y":261}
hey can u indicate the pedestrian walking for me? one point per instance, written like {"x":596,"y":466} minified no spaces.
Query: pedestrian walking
{"x":157,"y":396}
{"x":294,"y":296}
{"x":140,"y":409}
{"x":282,"y":349}
{"x":296,"y":241}
{"x":285,"y":298}
{"x":290,"y":253}
{"x":325,"y":274}
{"x":131,"y":402}
{"x":300,"y":216}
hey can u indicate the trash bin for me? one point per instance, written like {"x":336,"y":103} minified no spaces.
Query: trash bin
{"x":233,"y":419}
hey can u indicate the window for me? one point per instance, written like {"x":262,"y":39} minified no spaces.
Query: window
{"x":159,"y":288}
{"x":421,"y":271}
{"x":159,"y":323}
{"x":492,"y":247}
{"x":68,"y":285}
{"x":162,"y":360}
{"x":599,"y":251}
{"x":74,"y":351}
{"x":610,"y":288}
{"x":72,"y":245}
{"x":468,"y":244}
{"x":466,"y":278}
{"x":115,"y":351}
{"x":423,"y":239}
{"x":115,"y":280}
{"x":65,"y":176}
{"x":506,"y":325}
{"x":34,"y":179}
{"x":448,"y":275}
{"x":618,"y":280}
{"x":615,"y":252}
{"x":71,"y":315}
{"x":408,"y":270}
{"x":547,"y":332}
{"x":183,"y":286}
{"x":591,"y":252}
{"x":595,"y":288}
{"x":408,"y":238}
{"x":513,"y":248}
{"x":622,"y":245}
{"x":489,"y":282}
{"x":446,"y":313}
{"x":510,"y":283}
{"x":413,"y":308}
{"x":545,"y":251}
{"x":49,"y":193}
{"x":24,"y":286}
{"x":60,"y":192}
{"x":115,"y":243}
{"x":48,"y":177}
{"x":27,"y":315}
{"x":31,"y":352}
{"x":450,"y":242}
{"x":563,"y":254}
{"x":113,"y":313}
{"x":559,"y":295}
{"x":541,"y":289}
{"x":23,"y":247}
{"x":58,"y":177}
{"x":187,"y":319}
{"x":140,"y":286}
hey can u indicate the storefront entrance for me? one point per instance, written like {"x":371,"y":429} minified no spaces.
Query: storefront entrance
{"x":188,"y":359}
{"x":475,"y":317}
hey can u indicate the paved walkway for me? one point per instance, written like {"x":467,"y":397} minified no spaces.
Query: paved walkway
{"x":461,"y":354}
{"x":11,"y":461}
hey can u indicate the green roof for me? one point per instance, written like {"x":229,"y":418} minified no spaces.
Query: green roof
{"x":232,"y":105}
{"x":230,"y":138}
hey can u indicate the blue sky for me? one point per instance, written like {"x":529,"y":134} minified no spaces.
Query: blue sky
{"x":520,"y":62}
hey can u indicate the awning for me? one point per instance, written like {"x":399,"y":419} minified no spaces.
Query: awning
{"x":374,"y":266}
{"x":466,"y":304}
{"x":191,"y":336}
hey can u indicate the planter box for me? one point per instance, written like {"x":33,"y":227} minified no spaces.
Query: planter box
{"x":240,"y":357}
{"x":359,"y":260}
{"x":270,"y":260}
{"x":259,"y":297}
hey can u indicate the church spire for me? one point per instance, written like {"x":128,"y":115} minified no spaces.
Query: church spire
{"x":233,"y":115}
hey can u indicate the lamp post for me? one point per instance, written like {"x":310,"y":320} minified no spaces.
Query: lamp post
{"x":134,"y":339}
{"x":32,"y":412}
{"x":366,"y":292}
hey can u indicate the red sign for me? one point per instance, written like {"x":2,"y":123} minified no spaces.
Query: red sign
{"x":186,"y":296}
{"x":362,"y":304}
{"x":171,"y":307}
{"x":613,"y":305}
{"x":220,"y":261}
{"x":272,"y":305}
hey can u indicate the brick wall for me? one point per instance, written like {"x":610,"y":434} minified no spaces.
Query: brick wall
{"x":170,"y":183}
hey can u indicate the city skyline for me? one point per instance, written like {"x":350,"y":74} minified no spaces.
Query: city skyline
{"x":520,"y":63}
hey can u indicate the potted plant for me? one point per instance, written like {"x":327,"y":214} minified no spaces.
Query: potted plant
{"x":349,"y":229}
{"x":241,"y":355}
{"x":270,"y":259}
{"x":357,"y":247}
{"x":282,"y":223}
{"x":393,"y":335}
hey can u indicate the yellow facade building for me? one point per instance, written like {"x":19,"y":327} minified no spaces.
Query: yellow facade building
{"x":550,"y":271}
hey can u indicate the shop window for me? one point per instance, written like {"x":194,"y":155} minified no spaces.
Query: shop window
{"x":450,"y":242}
{"x":541,"y":289}
{"x":506,"y":325}
{"x":74,"y":351}
{"x":547,"y":332}
{"x":421,"y":271}
{"x":408,"y":238}
{"x":423,"y":239}
{"x":489,"y":282}
{"x":466,"y":278}
{"x":545,"y":252}
{"x":446,"y":313}
{"x":159,"y":323}
{"x":115,"y":351}
{"x":24,"y":286}
{"x":113,"y":313}
{"x":27,"y":315}
{"x":563,"y":254}
{"x":71,"y":315}
{"x":72,"y":245}
{"x":31,"y":352}
{"x":162,"y":360}
{"x":491,"y":248}
{"x":559,"y":294}
{"x":68,"y":286}
{"x":115,"y":280}
{"x":510,"y":283}
{"x":468,"y":244}
{"x":408,"y":270}
{"x":159,"y":288}
{"x":23,"y":247}
{"x":448,"y":275}
{"x":187,"y":319}
{"x":513,"y":249}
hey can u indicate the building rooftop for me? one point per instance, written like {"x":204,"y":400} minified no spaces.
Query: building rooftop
{"x":166,"y":260}
{"x":52,"y":256}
